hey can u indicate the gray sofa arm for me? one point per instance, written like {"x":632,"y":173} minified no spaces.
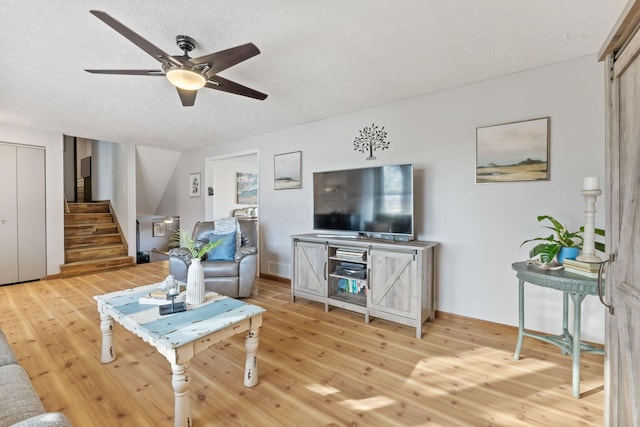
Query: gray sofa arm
{"x":179,"y":262}
{"x":51,"y":419}
{"x":244,"y":251}
{"x":247,"y":275}
{"x":182,"y":253}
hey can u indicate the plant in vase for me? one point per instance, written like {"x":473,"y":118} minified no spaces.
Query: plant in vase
{"x":561,"y":244}
{"x":195,"y":272}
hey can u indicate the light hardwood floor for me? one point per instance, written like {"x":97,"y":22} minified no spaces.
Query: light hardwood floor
{"x":315,"y":368}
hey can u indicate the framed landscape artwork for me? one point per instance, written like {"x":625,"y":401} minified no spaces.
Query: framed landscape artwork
{"x":246,"y":188}
{"x":516,"y":151}
{"x":287,"y":170}
{"x":194,"y":185}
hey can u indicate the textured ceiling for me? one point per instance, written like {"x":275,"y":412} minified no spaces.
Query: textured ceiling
{"x":319,"y":59}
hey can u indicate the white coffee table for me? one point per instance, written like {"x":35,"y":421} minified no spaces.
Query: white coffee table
{"x":180,"y":336}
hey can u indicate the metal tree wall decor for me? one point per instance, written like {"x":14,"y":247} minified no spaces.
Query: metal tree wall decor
{"x":371,"y":139}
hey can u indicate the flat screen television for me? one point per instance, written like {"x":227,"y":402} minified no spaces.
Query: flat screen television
{"x":373,"y":202}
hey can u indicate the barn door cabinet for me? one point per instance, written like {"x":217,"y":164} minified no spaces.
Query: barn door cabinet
{"x":310,"y":271}
{"x":377,"y":278}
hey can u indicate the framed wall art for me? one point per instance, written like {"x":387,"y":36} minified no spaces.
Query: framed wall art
{"x":517,"y":151}
{"x":246,"y":188}
{"x":287,"y":170}
{"x":194,"y":184}
{"x":159,"y":229}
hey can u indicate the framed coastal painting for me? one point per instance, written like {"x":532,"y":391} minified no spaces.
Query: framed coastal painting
{"x":194,"y":184}
{"x":246,"y":188}
{"x":287,"y":170}
{"x":517,"y":151}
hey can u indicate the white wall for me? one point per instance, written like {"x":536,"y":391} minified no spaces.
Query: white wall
{"x":223,"y":180}
{"x":152,"y":177}
{"x":150,"y":242}
{"x":114,"y":179}
{"x":480,"y":226}
{"x":54,"y":146}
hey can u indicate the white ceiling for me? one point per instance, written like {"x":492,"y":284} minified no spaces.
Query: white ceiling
{"x":319,"y":59}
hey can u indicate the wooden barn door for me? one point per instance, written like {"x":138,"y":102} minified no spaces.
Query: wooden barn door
{"x":622,"y":363}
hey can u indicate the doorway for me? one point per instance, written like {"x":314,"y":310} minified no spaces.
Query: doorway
{"x":231,"y":185}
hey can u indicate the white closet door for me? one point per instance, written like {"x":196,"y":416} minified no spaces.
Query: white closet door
{"x":32,"y":230}
{"x":8,"y":216}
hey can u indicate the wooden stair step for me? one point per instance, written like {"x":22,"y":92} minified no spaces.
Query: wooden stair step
{"x":84,"y":241}
{"x":92,"y":266}
{"x":94,"y":252}
{"x":87,"y":218}
{"x":93,"y":207}
{"x":90,"y":229}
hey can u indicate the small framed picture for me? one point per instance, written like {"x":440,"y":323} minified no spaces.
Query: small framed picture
{"x":194,"y":184}
{"x":246,"y":188}
{"x":159,"y":229}
{"x":510,"y":152}
{"x":287,"y":170}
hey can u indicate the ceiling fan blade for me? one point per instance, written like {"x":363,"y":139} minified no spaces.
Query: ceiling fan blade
{"x":220,"y":61}
{"x":188,"y":97}
{"x":157,"y":53}
{"x":219,"y":83}
{"x":129,"y":72}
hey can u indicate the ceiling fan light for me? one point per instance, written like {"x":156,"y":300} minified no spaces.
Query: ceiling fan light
{"x":186,"y":79}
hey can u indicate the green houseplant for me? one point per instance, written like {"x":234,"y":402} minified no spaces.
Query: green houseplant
{"x":195,"y":273}
{"x":183,"y":238}
{"x":552,"y":244}
{"x":560,"y":238}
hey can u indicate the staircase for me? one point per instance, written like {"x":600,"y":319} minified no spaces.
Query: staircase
{"x":92,"y":240}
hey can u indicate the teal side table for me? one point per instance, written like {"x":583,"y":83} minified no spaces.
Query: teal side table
{"x":572,"y":285}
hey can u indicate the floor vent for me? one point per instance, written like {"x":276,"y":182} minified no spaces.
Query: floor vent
{"x":279,"y":269}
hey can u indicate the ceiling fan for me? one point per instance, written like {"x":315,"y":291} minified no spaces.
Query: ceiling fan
{"x":185,"y":73}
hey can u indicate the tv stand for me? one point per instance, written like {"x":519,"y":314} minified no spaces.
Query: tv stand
{"x":390,"y":280}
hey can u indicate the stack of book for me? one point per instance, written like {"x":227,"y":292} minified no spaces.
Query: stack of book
{"x":351,"y":254}
{"x":159,"y":296}
{"x":589,"y":269}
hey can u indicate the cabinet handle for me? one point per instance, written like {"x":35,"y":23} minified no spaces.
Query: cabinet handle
{"x":325,"y":270}
{"x":369,"y":278}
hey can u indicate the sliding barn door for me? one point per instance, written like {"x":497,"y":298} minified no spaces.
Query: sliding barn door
{"x":622,"y":363}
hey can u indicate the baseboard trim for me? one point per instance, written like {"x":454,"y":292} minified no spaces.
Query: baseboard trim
{"x":275,"y":278}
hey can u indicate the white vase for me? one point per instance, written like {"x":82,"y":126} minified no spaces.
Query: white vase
{"x":195,"y":282}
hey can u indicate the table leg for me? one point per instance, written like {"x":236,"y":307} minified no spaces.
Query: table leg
{"x":251,"y":364}
{"x":108,"y":350}
{"x":180,"y":382}
{"x":565,"y":318}
{"x":516,"y":355}
{"x":577,"y":313}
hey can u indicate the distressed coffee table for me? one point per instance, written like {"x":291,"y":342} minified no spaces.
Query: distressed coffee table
{"x":180,"y":336}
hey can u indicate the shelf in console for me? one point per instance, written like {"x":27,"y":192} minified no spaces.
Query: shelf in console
{"x":344,"y":276}
{"x":349,"y":298}
{"x":358,"y":260}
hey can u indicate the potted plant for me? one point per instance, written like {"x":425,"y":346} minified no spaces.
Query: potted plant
{"x":183,"y":238}
{"x":561,"y":244}
{"x":195,"y":272}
